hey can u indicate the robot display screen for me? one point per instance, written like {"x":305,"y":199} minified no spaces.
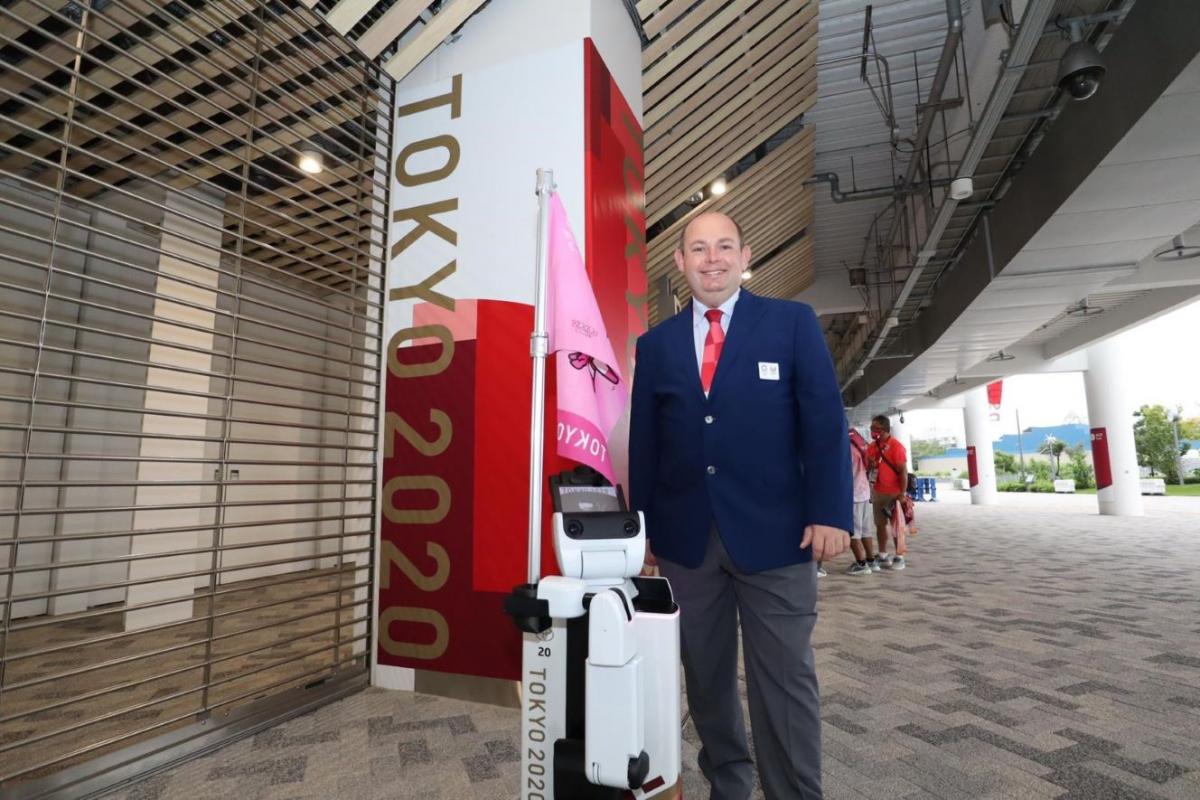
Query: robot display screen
{"x":576,"y":499}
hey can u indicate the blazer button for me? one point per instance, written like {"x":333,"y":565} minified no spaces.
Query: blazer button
{"x":709,"y":419}
{"x":712,"y":470}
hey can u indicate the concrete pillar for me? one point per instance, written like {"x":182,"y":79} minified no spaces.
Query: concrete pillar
{"x":1110,"y":414}
{"x":901,"y":433}
{"x":979,"y":443}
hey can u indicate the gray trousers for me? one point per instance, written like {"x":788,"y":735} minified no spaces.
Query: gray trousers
{"x":778,"y":611}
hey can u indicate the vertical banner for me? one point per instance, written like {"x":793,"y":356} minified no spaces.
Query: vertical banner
{"x":1100,"y":459}
{"x":463,"y":212}
{"x":972,"y":468}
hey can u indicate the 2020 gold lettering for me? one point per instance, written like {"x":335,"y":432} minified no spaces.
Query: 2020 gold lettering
{"x":402,"y":494}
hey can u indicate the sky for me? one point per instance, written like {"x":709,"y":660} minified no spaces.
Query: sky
{"x":1167,"y":372}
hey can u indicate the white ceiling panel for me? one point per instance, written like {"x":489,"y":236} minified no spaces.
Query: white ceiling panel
{"x":1165,"y":180}
{"x":1171,"y":130}
{"x":1118,"y":225}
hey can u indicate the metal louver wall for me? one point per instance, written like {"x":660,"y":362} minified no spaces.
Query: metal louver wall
{"x":189,"y":358}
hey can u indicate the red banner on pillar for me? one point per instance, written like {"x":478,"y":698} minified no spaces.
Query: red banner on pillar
{"x":1100,"y":458}
{"x":994,"y":390}
{"x":972,"y":467}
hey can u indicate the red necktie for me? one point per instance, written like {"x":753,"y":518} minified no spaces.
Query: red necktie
{"x":712,"y":348}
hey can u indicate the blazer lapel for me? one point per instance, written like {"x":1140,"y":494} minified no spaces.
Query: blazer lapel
{"x":683,"y":348}
{"x":747,"y":313}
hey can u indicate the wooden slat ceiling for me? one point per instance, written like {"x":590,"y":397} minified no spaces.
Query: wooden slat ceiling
{"x":164,"y":101}
{"x":375,"y":25}
{"x":772,"y":205}
{"x":720,"y":79}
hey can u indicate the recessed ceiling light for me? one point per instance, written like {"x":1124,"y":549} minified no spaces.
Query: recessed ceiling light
{"x":746,"y":275}
{"x":719,"y":187}
{"x":311,"y":161}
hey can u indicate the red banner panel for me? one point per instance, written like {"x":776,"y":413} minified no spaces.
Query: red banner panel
{"x":1100,"y":458}
{"x":431,"y":615}
{"x":615,"y":205}
{"x":994,"y":390}
{"x":972,"y":467}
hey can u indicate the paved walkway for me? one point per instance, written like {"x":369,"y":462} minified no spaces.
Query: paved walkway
{"x":1032,"y":650}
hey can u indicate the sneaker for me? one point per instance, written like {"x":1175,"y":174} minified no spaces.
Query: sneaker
{"x":859,"y":569}
{"x":884,"y":561}
{"x":821,"y":573}
{"x":874,"y":565}
{"x":898,"y":562}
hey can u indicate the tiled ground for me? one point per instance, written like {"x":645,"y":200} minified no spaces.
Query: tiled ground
{"x":1035,"y":651}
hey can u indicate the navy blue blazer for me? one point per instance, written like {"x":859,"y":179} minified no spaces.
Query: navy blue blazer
{"x":763,"y":458}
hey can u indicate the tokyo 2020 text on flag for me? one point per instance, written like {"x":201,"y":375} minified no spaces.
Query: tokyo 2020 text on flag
{"x":591,"y":392}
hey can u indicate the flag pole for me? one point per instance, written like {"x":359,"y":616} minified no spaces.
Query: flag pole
{"x":539,"y":346}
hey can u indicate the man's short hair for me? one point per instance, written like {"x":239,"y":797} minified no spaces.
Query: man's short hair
{"x":883,"y":422}
{"x":736,"y":227}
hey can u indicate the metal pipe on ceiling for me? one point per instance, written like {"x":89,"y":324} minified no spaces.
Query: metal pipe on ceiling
{"x":1028,"y":35}
{"x":899,"y":191}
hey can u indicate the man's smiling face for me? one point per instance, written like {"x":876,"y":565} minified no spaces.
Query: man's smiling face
{"x":712,"y":258}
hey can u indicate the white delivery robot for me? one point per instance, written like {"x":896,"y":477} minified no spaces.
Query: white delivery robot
{"x":600,"y":706}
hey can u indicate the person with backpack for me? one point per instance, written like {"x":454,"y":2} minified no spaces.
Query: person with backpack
{"x":887,"y":461}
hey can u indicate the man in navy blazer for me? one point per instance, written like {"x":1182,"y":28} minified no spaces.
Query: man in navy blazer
{"x":737,"y":456}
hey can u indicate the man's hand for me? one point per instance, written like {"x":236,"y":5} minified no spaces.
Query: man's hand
{"x":650,"y":563}
{"x":826,"y":541}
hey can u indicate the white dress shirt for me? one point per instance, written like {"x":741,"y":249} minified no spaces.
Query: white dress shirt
{"x":700,"y":323}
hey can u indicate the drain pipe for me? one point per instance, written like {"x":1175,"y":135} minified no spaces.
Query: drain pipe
{"x":1028,"y":35}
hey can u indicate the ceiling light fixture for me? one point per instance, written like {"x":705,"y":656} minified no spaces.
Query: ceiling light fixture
{"x":719,"y":187}
{"x":1178,"y":251}
{"x":311,"y":161}
{"x":746,"y":274}
{"x":1000,"y":355}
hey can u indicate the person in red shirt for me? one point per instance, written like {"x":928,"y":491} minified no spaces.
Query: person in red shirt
{"x":887,"y":460}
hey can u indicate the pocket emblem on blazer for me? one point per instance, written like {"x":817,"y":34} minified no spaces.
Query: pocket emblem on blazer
{"x":768,"y":371}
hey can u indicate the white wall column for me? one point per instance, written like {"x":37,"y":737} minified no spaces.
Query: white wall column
{"x":1110,"y":415}
{"x":979,"y":441}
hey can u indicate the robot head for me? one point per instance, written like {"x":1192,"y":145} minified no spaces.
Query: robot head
{"x":596,"y":537}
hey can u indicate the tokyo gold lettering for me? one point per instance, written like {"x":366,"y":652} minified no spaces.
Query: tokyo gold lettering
{"x":425,"y":291}
{"x":425,"y":223}
{"x":452,"y":98}
{"x":444,"y":141}
{"x":405,"y":370}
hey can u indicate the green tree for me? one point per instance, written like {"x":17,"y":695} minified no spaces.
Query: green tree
{"x":1081,"y":470}
{"x":1039,"y":469}
{"x":1054,"y":448}
{"x":1006,"y":463}
{"x":1154,"y":437}
{"x":927,"y":447}
{"x":1190,"y":429}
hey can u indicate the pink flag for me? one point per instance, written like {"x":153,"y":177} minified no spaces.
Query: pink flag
{"x":591,"y":391}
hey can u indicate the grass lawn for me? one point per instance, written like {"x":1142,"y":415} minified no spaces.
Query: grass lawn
{"x":1173,"y":490}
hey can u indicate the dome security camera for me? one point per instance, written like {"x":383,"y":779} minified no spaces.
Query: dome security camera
{"x":1080,"y":70}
